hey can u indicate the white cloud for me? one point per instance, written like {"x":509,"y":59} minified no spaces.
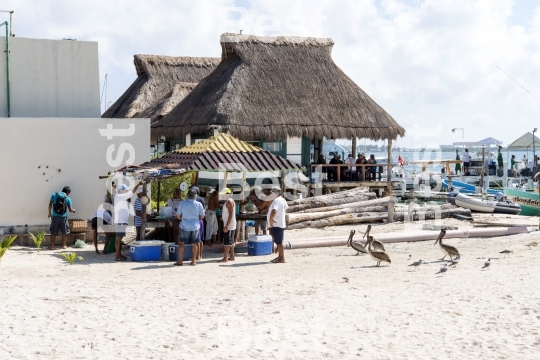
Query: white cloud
{"x":426,"y":62}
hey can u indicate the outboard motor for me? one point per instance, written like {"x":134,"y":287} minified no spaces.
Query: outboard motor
{"x":451,"y":197}
{"x":499,"y":196}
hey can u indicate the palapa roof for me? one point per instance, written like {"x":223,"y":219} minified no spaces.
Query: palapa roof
{"x":222,"y":152}
{"x":162,"y":82}
{"x":220,"y":142}
{"x":274,"y":87}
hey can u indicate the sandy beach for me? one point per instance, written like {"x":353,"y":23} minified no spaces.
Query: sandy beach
{"x":323,"y":303}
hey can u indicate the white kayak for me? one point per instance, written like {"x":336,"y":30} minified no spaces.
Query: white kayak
{"x":487,"y":206}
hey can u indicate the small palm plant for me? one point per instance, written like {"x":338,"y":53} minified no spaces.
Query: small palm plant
{"x":6,"y":244}
{"x":38,"y":238}
{"x":70,"y":257}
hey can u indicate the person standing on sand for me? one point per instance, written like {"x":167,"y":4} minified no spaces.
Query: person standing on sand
{"x":59,"y":204}
{"x":211,"y":218}
{"x":121,"y":215}
{"x":277,"y":224}
{"x":466,"y":162}
{"x":189,"y":213}
{"x":101,"y":218}
{"x":229,"y":224}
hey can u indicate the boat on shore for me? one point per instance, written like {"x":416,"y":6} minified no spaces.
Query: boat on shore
{"x":528,"y":200}
{"x":487,"y":206}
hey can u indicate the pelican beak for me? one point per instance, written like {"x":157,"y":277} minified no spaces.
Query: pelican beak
{"x":436,"y":241}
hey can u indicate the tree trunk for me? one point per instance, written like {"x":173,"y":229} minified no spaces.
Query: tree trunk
{"x":318,"y":202}
{"x":357,"y":205}
{"x":429,"y":213}
{"x":297,"y":218}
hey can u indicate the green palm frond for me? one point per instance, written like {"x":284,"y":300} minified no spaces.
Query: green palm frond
{"x":38,"y":238}
{"x":6,"y":243}
{"x":71,"y":257}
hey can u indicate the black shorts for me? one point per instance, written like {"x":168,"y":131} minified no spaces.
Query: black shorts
{"x":228,"y":238}
{"x":95,"y":223}
{"x":120,"y":229}
{"x":278,"y":234}
{"x":59,"y":224}
{"x":466,"y":164}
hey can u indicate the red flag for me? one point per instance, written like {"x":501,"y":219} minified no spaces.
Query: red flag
{"x":400,"y":161}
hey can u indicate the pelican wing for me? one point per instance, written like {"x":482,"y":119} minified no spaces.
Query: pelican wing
{"x":380,"y":255}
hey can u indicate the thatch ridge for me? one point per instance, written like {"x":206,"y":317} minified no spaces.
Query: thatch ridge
{"x":160,"y":85}
{"x":272,"y":88}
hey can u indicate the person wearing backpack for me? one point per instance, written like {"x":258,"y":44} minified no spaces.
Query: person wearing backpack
{"x":59,"y":205}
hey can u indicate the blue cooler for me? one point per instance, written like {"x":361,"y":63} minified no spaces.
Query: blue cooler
{"x":259,"y":245}
{"x":173,"y":253}
{"x":146,"y":250}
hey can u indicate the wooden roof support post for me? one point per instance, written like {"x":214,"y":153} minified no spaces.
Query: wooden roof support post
{"x":282,"y":181}
{"x":389,"y":169}
{"x":354,"y":147}
{"x":158,"y":194}
{"x":143,"y":213}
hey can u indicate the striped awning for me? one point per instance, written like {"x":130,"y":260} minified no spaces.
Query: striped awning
{"x":220,"y":142}
{"x":223,"y":160}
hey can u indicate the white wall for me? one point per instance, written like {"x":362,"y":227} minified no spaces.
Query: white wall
{"x":33,"y":150}
{"x":51,"y":78}
{"x":294,"y":149}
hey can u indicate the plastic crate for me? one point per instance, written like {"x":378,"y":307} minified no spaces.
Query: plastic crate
{"x":259,"y":245}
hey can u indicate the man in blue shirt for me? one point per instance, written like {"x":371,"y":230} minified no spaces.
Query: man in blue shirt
{"x":59,"y":204}
{"x":189,"y":213}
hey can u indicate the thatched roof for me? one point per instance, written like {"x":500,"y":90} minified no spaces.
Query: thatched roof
{"x":162,"y":82}
{"x":220,"y":142}
{"x":271,"y":87}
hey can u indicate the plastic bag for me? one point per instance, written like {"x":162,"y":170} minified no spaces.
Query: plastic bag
{"x":79,"y":243}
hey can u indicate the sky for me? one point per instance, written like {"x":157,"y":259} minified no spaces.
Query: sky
{"x":433,"y":65}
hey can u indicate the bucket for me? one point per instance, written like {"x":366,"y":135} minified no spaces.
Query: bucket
{"x":165,"y":251}
{"x":111,"y":247}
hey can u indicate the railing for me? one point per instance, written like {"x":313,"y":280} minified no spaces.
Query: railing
{"x":337,"y":170}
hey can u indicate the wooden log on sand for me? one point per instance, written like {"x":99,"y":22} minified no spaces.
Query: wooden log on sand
{"x":339,"y":194}
{"x":331,"y":200}
{"x":357,"y":205}
{"x":425,"y":213}
{"x":297,"y":218}
{"x":341,"y":220}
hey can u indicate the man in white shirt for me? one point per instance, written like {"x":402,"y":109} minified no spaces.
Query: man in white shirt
{"x":352,"y":169}
{"x":276,"y":222}
{"x":121,"y":215}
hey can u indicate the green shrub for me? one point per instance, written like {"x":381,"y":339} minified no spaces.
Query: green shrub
{"x":6,"y":244}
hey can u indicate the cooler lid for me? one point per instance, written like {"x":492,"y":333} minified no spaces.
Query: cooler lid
{"x":259,"y":238}
{"x":149,"y":242}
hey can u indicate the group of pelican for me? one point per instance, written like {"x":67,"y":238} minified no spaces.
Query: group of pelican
{"x":375,"y":249}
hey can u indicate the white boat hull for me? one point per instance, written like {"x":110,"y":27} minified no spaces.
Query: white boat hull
{"x":486,"y":206}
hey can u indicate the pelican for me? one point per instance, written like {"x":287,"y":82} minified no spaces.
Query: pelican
{"x":356,"y":246}
{"x":442,"y":270}
{"x":446,"y":249}
{"x":486,"y":264}
{"x":417,"y":264}
{"x":506,"y":252}
{"x":378,"y":256}
{"x":377,"y":245}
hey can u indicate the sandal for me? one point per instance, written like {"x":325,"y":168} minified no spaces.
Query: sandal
{"x":177,"y":264}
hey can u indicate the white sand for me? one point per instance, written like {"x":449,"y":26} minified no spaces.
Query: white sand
{"x":323,"y":303}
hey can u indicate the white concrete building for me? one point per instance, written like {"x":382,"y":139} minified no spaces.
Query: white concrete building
{"x":50,"y":78}
{"x":55,"y":136}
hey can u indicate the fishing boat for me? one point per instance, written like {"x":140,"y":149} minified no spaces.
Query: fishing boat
{"x":528,"y":200}
{"x":487,"y":206}
{"x":465,"y":188}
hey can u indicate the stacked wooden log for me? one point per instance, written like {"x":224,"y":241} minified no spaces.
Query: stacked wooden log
{"x":359,"y":206}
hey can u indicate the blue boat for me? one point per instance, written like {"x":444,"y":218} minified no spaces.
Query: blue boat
{"x":465,"y":188}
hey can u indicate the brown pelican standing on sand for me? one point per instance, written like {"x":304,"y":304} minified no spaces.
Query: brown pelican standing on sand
{"x":378,"y":256}
{"x":446,"y":249}
{"x":356,"y":246}
{"x":377,"y":245}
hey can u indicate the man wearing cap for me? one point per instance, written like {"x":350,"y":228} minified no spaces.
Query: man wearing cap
{"x":276,"y":222}
{"x":189,"y":213}
{"x":59,"y":204}
{"x":121,"y":215}
{"x":229,"y":224}
{"x":211,"y":218}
